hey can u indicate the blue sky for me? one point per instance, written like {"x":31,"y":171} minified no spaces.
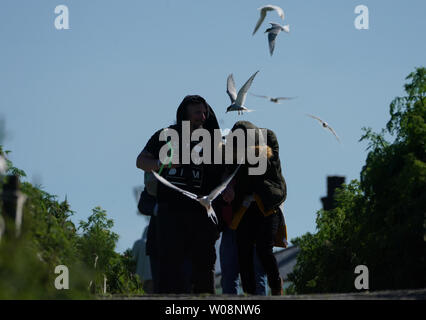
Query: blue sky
{"x":80,"y":104}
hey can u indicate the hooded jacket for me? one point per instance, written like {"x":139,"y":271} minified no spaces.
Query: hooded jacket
{"x":210,"y":174}
{"x":269,"y":190}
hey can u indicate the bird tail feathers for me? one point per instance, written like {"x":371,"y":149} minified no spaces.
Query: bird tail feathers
{"x":212,"y":215}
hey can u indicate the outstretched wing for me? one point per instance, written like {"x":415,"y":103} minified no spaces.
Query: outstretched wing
{"x":261,"y":18}
{"x":256,"y":95}
{"x":278,"y":10}
{"x":331,"y":129}
{"x":285,"y":98}
{"x":271,"y":40}
{"x":218,"y":190}
{"x":167,"y":183}
{"x":230,"y":88}
{"x":276,"y":27}
{"x":241,"y":98}
{"x":314,"y":117}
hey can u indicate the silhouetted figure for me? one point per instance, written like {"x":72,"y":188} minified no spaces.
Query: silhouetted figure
{"x":183,"y":231}
{"x":257,"y":216}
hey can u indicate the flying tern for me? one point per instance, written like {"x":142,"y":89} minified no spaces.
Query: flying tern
{"x":237,"y":101}
{"x":273,"y":33}
{"x":263,"y":11}
{"x":325,"y":125}
{"x":272,"y":99}
{"x":205,"y":201}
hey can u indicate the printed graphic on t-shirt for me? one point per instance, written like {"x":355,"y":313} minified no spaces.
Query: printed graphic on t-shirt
{"x":191,"y":176}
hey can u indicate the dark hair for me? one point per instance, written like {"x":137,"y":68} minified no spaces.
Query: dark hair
{"x":188,"y":100}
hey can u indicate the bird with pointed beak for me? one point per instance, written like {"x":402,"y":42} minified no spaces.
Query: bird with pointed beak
{"x":237,"y":101}
{"x":273,"y":99}
{"x":273,"y":33}
{"x":205,"y":201}
{"x":325,"y":125}
{"x":263,"y":11}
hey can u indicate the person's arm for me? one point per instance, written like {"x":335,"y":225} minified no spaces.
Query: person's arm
{"x":147,"y":162}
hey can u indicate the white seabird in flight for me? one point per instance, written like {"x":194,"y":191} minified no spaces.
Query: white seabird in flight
{"x":263,"y":11}
{"x":273,"y":33}
{"x":325,"y":125}
{"x":272,"y":99}
{"x":237,"y":101}
{"x":205,"y":201}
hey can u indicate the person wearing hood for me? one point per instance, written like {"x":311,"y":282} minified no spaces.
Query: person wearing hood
{"x":256,"y":213}
{"x":183,"y":231}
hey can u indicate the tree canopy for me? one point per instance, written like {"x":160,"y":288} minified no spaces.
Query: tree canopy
{"x":49,"y":238}
{"x":378,"y":221}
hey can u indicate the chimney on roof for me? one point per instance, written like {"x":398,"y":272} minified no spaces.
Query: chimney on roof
{"x":333,"y":182}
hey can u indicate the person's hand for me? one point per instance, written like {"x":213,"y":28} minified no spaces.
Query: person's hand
{"x":228,"y":194}
{"x":167,"y":165}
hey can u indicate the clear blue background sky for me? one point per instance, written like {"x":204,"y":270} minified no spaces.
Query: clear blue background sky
{"x":80,"y":104}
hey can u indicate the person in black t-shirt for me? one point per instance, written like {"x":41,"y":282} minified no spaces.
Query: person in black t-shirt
{"x":183,"y":231}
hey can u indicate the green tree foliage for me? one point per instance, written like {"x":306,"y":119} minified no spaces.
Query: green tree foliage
{"x":11,"y":169}
{"x":121,"y":275}
{"x":379,"y":221}
{"x":97,"y":245}
{"x":48,"y":239}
